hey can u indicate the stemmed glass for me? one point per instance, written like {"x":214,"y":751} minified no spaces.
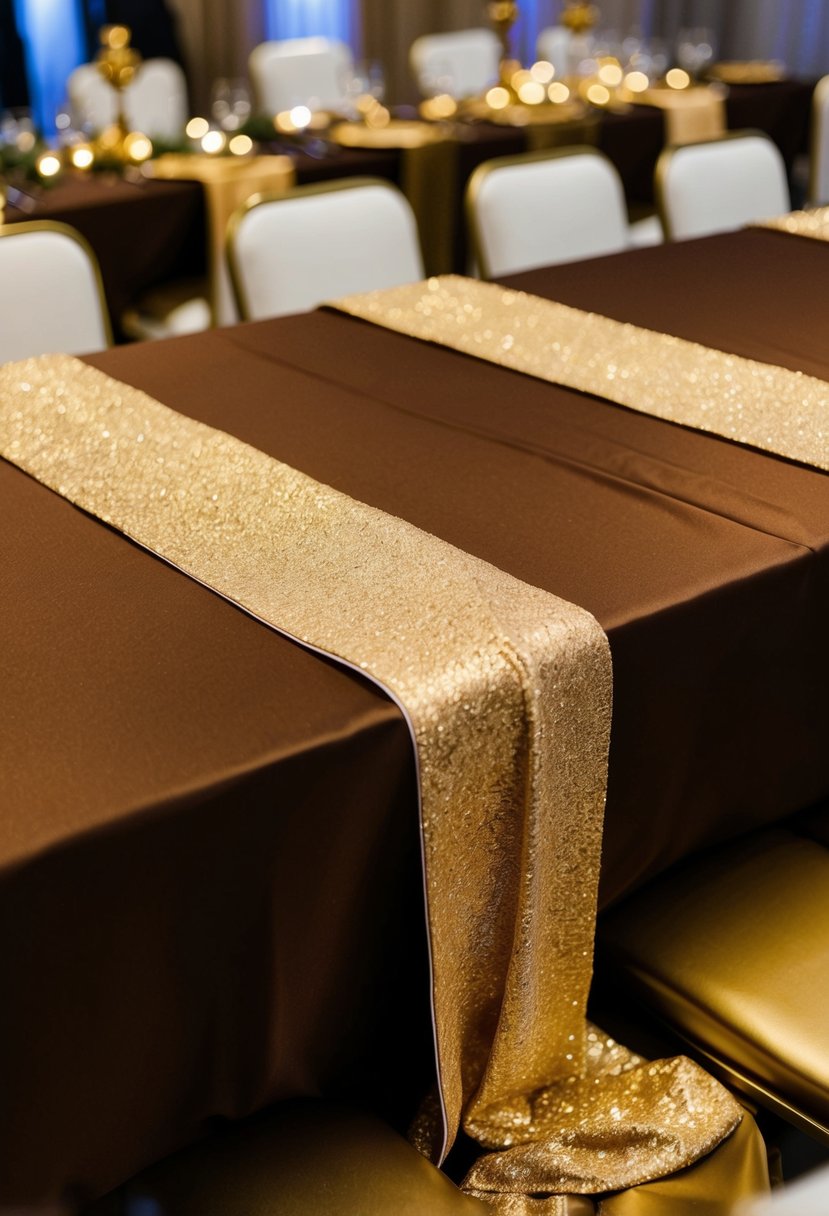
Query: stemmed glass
{"x":367,"y":80}
{"x":695,"y":50}
{"x":230,"y":106}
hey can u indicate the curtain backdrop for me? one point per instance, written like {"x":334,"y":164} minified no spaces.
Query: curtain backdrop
{"x":304,"y":18}
{"x":218,"y":34}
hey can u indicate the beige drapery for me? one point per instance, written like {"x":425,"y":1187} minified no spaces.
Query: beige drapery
{"x":218,"y":35}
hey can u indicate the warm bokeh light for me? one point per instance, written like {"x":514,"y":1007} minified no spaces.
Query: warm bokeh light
{"x":116,"y":37}
{"x":48,"y":164}
{"x":677,"y":78}
{"x":598,"y":95}
{"x":441,"y":106}
{"x":197,"y":128}
{"x":137,"y":147}
{"x":519,"y":78}
{"x":558,"y":92}
{"x":241,"y":145}
{"x":82,"y":157}
{"x":497,"y":98}
{"x":532,"y":93}
{"x":611,"y":74}
{"x":213,"y":142}
{"x":542,"y":71}
{"x":637,"y":82}
{"x":25,"y":141}
{"x":300,"y":117}
{"x":377,"y":116}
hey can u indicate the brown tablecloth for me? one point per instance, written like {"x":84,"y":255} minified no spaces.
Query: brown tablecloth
{"x":209,"y":868}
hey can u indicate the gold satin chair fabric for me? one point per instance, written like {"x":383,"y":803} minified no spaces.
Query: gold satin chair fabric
{"x":301,"y":1158}
{"x":733,"y":952}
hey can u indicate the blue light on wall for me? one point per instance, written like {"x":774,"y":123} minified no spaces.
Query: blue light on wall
{"x":527,"y":28}
{"x":308,"y":18}
{"x":54,"y":44}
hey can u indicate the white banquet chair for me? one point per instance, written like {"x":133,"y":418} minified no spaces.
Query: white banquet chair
{"x":541,"y":208}
{"x":720,"y":184}
{"x":462,"y":63}
{"x":155,"y":102}
{"x":807,"y":1196}
{"x":53,"y":299}
{"x":290,"y":252}
{"x":554,"y":45}
{"x":819,"y":152}
{"x":300,"y":71}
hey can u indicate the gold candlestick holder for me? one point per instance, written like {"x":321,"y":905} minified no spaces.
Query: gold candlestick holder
{"x":503,"y":14}
{"x":117,"y":62}
{"x":578,"y":17}
{"x":523,"y":96}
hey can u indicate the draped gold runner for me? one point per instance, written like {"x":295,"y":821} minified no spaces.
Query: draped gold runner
{"x":754,"y":403}
{"x":813,"y":223}
{"x":507,"y":693}
{"x":691,"y":115}
{"x":228,"y":182}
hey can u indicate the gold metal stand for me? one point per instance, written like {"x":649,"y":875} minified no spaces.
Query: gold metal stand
{"x":117,"y":63}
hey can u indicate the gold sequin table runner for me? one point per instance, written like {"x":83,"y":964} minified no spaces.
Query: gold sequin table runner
{"x":758,"y":404}
{"x":813,"y":223}
{"x":506,"y":690}
{"x":691,"y":115}
{"x":228,"y":181}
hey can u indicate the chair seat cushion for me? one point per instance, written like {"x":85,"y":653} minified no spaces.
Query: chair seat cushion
{"x":733,"y":951}
{"x":301,"y":1158}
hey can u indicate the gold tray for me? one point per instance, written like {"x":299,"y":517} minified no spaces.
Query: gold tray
{"x":748,"y":71}
{"x":399,"y":133}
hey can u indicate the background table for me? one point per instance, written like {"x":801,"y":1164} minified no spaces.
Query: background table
{"x":143,"y":232}
{"x":209,"y":865}
{"x":146,"y":233}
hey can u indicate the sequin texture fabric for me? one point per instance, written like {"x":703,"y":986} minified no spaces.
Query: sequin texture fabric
{"x":507,"y":693}
{"x":754,"y":403}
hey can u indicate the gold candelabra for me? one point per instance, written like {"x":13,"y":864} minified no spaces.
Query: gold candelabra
{"x":503,"y":14}
{"x":579,"y":17}
{"x":117,"y":63}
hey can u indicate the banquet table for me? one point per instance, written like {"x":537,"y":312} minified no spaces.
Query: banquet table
{"x":146,"y":233}
{"x":142,"y":232}
{"x":209,"y":852}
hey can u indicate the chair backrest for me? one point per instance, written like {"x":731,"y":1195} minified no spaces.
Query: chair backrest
{"x":543,"y":208}
{"x":290,"y":252}
{"x":461,"y":63}
{"x":554,"y":44}
{"x":819,"y":164}
{"x":155,"y":102}
{"x":300,"y":71}
{"x":53,"y":301}
{"x":720,"y":184}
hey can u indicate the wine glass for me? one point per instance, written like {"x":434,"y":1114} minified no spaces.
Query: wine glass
{"x":695,"y":50}
{"x":366,"y":83}
{"x":230,"y":105}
